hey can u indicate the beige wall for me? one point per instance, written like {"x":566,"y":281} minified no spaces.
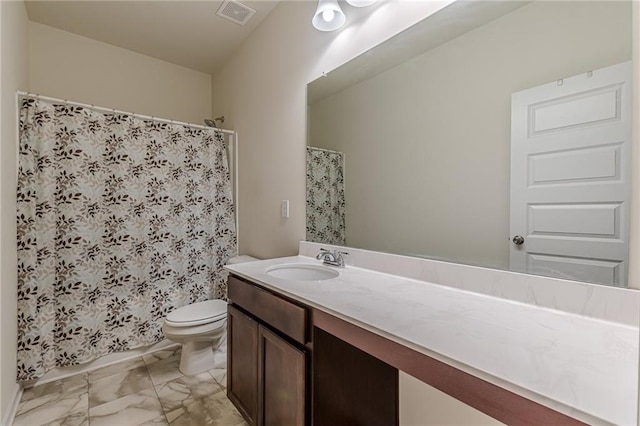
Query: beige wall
{"x":13,"y":76}
{"x":262,"y":92}
{"x":424,"y":405}
{"x":68,"y":66}
{"x":427,"y":144}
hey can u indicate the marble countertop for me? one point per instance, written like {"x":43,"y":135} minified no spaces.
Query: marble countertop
{"x":584,"y":367}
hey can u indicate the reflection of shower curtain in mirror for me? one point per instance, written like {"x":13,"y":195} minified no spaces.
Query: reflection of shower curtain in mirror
{"x":325,"y":196}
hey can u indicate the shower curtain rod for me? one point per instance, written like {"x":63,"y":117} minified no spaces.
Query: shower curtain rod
{"x":115,"y":111}
{"x":325,"y":150}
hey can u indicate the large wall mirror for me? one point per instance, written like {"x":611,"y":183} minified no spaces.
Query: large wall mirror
{"x":492,"y":133}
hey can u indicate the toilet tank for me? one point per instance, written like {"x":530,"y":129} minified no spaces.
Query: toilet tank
{"x":241,"y":259}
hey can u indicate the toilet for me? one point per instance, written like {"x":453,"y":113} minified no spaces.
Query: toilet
{"x":201,"y":328}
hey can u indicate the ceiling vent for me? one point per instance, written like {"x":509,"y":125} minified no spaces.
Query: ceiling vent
{"x":235,"y":11}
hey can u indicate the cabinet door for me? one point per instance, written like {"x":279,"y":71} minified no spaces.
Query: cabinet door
{"x":282,"y":370}
{"x":242,"y":363}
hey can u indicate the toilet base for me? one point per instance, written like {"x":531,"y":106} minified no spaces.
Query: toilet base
{"x":197,"y":357}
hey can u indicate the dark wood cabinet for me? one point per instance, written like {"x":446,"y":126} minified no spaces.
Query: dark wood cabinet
{"x":278,"y":358}
{"x":267,"y":360}
{"x":242,"y":363}
{"x":287,"y":317}
{"x":282,"y":369}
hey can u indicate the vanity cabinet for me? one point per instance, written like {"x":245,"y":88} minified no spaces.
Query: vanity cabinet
{"x":242,"y":364}
{"x":278,"y":358}
{"x":267,"y":357}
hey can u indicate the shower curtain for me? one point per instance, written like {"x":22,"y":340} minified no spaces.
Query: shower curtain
{"x":120,"y":220}
{"x":325,"y":196}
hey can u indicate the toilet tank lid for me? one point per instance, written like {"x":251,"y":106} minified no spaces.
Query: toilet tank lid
{"x":209,"y":309}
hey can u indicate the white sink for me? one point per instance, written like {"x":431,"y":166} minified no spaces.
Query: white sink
{"x":302,"y":272}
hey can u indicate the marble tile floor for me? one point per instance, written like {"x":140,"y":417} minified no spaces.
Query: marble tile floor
{"x":148,"y":390}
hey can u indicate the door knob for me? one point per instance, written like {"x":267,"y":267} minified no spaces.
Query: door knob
{"x":518,"y":240}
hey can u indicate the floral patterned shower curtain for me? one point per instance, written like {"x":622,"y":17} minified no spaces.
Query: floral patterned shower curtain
{"x":325,"y":196}
{"x":120,"y":221}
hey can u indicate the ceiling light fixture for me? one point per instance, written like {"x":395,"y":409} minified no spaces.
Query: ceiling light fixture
{"x":329,"y":16}
{"x":361,"y":3}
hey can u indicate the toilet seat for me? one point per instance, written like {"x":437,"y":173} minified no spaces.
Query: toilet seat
{"x":198,"y":313}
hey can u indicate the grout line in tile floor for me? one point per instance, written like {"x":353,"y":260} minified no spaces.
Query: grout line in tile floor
{"x":148,"y":390}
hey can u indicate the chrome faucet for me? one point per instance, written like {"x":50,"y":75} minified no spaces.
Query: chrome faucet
{"x":333,"y":258}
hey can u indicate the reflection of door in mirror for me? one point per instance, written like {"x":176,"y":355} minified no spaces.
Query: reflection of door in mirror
{"x":570,"y":177}
{"x":325,"y":196}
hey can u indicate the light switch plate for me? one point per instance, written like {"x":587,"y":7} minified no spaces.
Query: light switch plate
{"x":284,"y":208}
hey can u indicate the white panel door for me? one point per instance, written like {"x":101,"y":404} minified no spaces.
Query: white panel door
{"x":570,"y":177}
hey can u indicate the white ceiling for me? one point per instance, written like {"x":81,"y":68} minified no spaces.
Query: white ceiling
{"x":187,"y":33}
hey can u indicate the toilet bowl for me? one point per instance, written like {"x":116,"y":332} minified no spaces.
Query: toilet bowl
{"x":201,"y":328}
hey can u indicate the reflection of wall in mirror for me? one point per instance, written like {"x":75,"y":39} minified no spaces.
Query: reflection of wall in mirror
{"x":427,"y":142}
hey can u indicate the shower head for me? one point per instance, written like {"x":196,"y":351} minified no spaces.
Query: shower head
{"x":212,"y":122}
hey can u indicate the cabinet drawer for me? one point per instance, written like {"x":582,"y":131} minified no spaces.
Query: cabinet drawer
{"x":279,"y":313}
